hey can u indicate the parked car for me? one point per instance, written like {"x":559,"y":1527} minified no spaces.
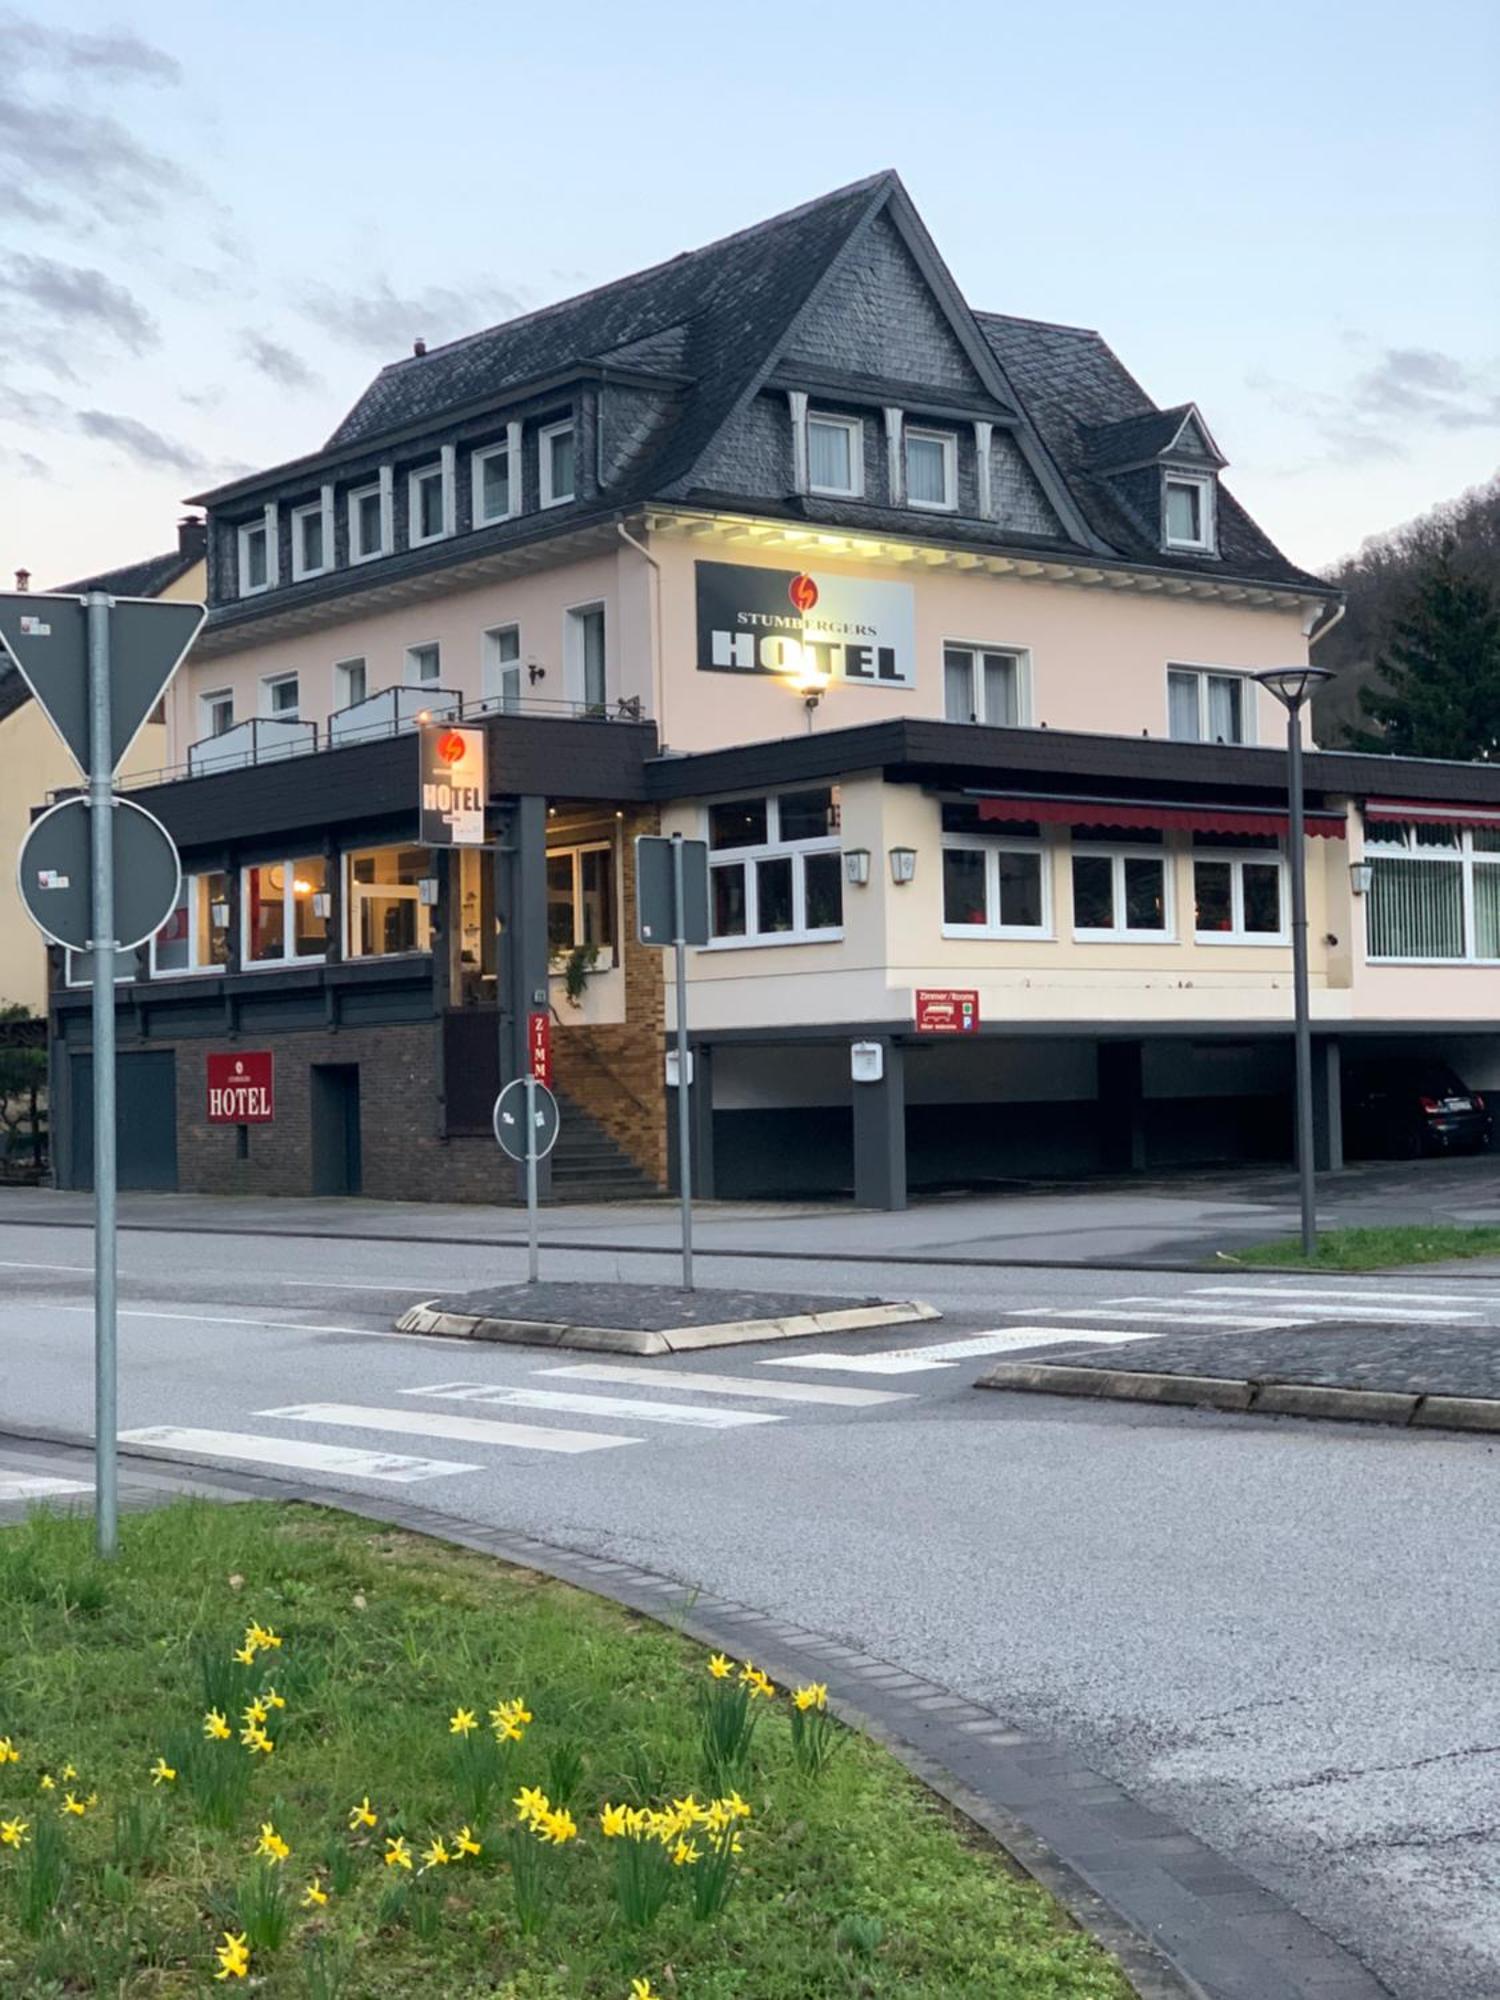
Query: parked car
{"x":1407,"y":1106}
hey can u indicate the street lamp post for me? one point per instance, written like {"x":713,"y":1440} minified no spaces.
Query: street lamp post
{"x":1291,"y":687}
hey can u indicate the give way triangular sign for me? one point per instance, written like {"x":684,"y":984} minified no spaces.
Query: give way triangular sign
{"x":46,"y":640}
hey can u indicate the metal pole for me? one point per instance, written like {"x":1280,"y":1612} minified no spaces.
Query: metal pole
{"x":533,"y":1251}
{"x":102,"y":923}
{"x":1304,"y":1110}
{"x":684,"y":1122}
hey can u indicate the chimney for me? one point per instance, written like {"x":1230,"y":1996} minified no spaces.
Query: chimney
{"x":192,"y":535}
{"x":419,"y":348}
{"x":23,"y":580}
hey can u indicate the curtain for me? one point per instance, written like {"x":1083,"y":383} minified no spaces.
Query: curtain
{"x":1182,"y":707}
{"x":828,"y":457}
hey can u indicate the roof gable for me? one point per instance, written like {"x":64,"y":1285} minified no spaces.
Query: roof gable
{"x":1153,"y":435}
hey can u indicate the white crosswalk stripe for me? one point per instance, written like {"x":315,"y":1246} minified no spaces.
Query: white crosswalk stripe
{"x":729,"y":1385}
{"x":1353,"y":1305}
{"x":37,"y":1486}
{"x":1183,"y":1315}
{"x":303,"y":1454}
{"x":948,"y":1353}
{"x":438,"y":1424}
{"x":628,"y":1409}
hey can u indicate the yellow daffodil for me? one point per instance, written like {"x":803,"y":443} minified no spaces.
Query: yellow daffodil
{"x":246,"y":1656}
{"x":437,"y":1855}
{"x":314,"y":1896}
{"x":77,"y":1807}
{"x":271,"y":1844}
{"x":508,"y":1719}
{"x":558,"y":1827}
{"x":642,"y":1989}
{"x":69,"y":1771}
{"x":530,"y":1803}
{"x":461,"y":1722}
{"x":272,"y":1699}
{"x":13,"y":1832}
{"x":256,"y":1740}
{"x":614,"y":1821}
{"x":465,"y":1843}
{"x":9,"y":1754}
{"x":162,"y":1772}
{"x":757,"y":1682}
{"x":256,"y":1714}
{"x":684,"y":1854}
{"x":47,"y":1783}
{"x":216,"y":1726}
{"x":233,"y":1956}
{"x":362,"y":1815}
{"x":814,"y":1695}
{"x":737,"y":1806}
{"x":262,"y":1638}
{"x":720,"y":1668}
{"x":397,"y":1853}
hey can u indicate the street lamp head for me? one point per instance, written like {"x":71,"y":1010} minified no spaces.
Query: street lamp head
{"x":1292,"y":685}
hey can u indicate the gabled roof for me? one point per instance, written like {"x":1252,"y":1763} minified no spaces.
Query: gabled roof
{"x":1151,"y":434}
{"x":140,"y":579}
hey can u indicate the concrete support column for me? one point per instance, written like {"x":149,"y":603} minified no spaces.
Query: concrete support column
{"x":880,"y":1134}
{"x":1122,"y":1121}
{"x":521,"y":914}
{"x":1327,"y":1104}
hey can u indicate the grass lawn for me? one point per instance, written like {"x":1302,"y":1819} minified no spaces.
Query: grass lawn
{"x":849,"y":1881}
{"x":1376,"y":1249}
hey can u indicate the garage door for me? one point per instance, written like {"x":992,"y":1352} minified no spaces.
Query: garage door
{"x":146,"y":1120}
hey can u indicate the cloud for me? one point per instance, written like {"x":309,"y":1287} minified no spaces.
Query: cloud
{"x":116,"y":55}
{"x":30,"y":406}
{"x":279,"y":364}
{"x":65,"y":301}
{"x":381,"y":320}
{"x":26,"y":462}
{"x":139,"y":442}
{"x":1402,"y":393}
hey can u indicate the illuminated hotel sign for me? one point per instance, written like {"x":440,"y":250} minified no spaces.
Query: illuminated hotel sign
{"x":805,"y":625}
{"x":452,"y":786}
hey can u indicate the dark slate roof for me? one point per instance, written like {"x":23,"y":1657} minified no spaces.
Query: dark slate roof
{"x":1072,"y":384}
{"x":1134,"y":439}
{"x":140,"y":579}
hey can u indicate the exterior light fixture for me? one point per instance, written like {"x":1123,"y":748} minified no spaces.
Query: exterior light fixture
{"x":857,"y":866}
{"x":1361,"y":875}
{"x":903,"y":865}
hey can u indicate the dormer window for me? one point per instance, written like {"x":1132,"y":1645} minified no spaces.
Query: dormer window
{"x":835,"y":455}
{"x":1188,"y":510}
{"x":427,"y":499}
{"x":366,"y":523}
{"x":557,"y":456}
{"x":255,"y":557}
{"x":932,"y":470}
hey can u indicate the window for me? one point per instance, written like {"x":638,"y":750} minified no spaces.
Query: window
{"x":1205,"y":707}
{"x":216,"y":711}
{"x":585,"y":656}
{"x":1121,"y":893}
{"x":932,"y":469}
{"x":310,"y":551}
{"x":366,"y":523}
{"x":279,"y":696}
{"x":424,"y":665}
{"x":995,"y":884}
{"x":581,"y":900}
{"x":1188,"y":508}
{"x":195,"y":938}
{"x":836,"y":455}
{"x":557,"y":455}
{"x":427,"y":504}
{"x":1237,"y":892}
{"x":351,"y":683}
{"x":776,"y":868}
{"x":1434,"y":892}
{"x":255,"y":557}
{"x":981,"y":686}
{"x":502,"y":666}
{"x":284,"y":911}
{"x":492,"y":485}
{"x":386,"y":913}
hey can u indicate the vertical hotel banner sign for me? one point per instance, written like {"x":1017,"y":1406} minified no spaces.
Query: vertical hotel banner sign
{"x":453,"y":785}
{"x":805,"y":625}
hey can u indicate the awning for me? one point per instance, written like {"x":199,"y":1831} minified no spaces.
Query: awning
{"x":1430,"y":814}
{"x":1050,"y":810}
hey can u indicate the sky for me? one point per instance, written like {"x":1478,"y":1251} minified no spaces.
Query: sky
{"x":217,"y":222}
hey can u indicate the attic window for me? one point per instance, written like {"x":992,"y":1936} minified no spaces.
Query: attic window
{"x":558,"y":463}
{"x":835,"y":455}
{"x":255,"y":558}
{"x":1188,"y":511}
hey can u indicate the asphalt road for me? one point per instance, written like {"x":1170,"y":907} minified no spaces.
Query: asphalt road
{"x":1282,"y":1634}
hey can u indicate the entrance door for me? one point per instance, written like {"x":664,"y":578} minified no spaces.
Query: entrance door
{"x":336,"y":1165}
{"x":145,"y":1120}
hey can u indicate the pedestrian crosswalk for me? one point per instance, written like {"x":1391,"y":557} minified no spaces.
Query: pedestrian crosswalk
{"x":949,"y":1353}
{"x":18,"y":1487}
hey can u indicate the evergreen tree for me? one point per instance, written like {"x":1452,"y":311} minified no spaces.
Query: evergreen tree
{"x":1438,"y":688}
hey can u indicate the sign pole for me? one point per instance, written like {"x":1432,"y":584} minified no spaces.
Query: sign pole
{"x":684,"y":1121}
{"x":533,"y":1252}
{"x":101,"y":804}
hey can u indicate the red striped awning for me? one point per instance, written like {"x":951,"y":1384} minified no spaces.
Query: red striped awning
{"x":1431,"y":814}
{"x":1127,"y":813}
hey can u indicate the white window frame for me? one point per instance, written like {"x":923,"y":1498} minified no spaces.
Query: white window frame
{"x":206,"y":706}
{"x":1207,"y":539}
{"x":342,"y":698}
{"x":575,"y":656}
{"x":286,"y":862}
{"x":265,"y":528}
{"x":1204,"y":673}
{"x":192,"y":887}
{"x":1120,"y":933}
{"x":575,"y":850}
{"x":1239,"y":858}
{"x":949,"y":503}
{"x":774,"y":848}
{"x":856,"y":430}
{"x":358,"y":553}
{"x":1018,"y":655}
{"x":416,"y":479}
{"x":544,"y":438}
{"x":510,"y":451}
{"x":493,"y":668}
{"x":1464,"y":856}
{"x":992,"y":849}
{"x":410,"y":675}
{"x":320,"y":510}
{"x":268,"y":709}
{"x":356,"y":893}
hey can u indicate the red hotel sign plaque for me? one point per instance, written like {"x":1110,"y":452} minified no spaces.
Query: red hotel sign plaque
{"x":947,"y":1010}
{"x":242,"y":1089}
{"x":539,"y":1043}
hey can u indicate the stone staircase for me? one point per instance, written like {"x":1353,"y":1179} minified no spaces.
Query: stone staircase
{"x":587,"y":1165}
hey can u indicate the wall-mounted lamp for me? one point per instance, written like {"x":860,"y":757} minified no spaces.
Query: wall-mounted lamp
{"x":903,"y":865}
{"x":534,"y":673}
{"x":857,"y":866}
{"x":1361,"y":875}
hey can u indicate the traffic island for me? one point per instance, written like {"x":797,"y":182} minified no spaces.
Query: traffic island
{"x":647,"y":1319}
{"x":1415,"y":1378}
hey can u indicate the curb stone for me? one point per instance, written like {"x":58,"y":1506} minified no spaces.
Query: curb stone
{"x":428,"y":1318}
{"x":1184,"y":1921}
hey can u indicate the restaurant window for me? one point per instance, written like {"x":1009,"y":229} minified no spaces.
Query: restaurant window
{"x":1204,"y":707}
{"x":981,"y":685}
{"x":776,"y":868}
{"x":1120,"y":887}
{"x":1434,"y":894}
{"x":1237,"y":890}
{"x":195,"y":938}
{"x":284,"y":911}
{"x":995,"y":883}
{"x":581,"y":901}
{"x":384,"y":899}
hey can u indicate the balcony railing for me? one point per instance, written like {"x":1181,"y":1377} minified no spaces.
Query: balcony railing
{"x":263,"y":740}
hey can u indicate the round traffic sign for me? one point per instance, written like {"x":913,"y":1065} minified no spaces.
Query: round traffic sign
{"x":55,"y":874}
{"x":510,"y":1119}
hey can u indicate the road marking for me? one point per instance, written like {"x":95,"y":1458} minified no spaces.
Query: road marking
{"x":215,"y":1319}
{"x":1345,"y":1298}
{"x":948,"y":1353}
{"x":35,"y":1486}
{"x":705,"y":1417}
{"x":467,"y":1430}
{"x":729,"y":1385}
{"x":1184,"y":1316}
{"x":351,"y":1285}
{"x":303,"y":1453}
{"x":8,"y":1264}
